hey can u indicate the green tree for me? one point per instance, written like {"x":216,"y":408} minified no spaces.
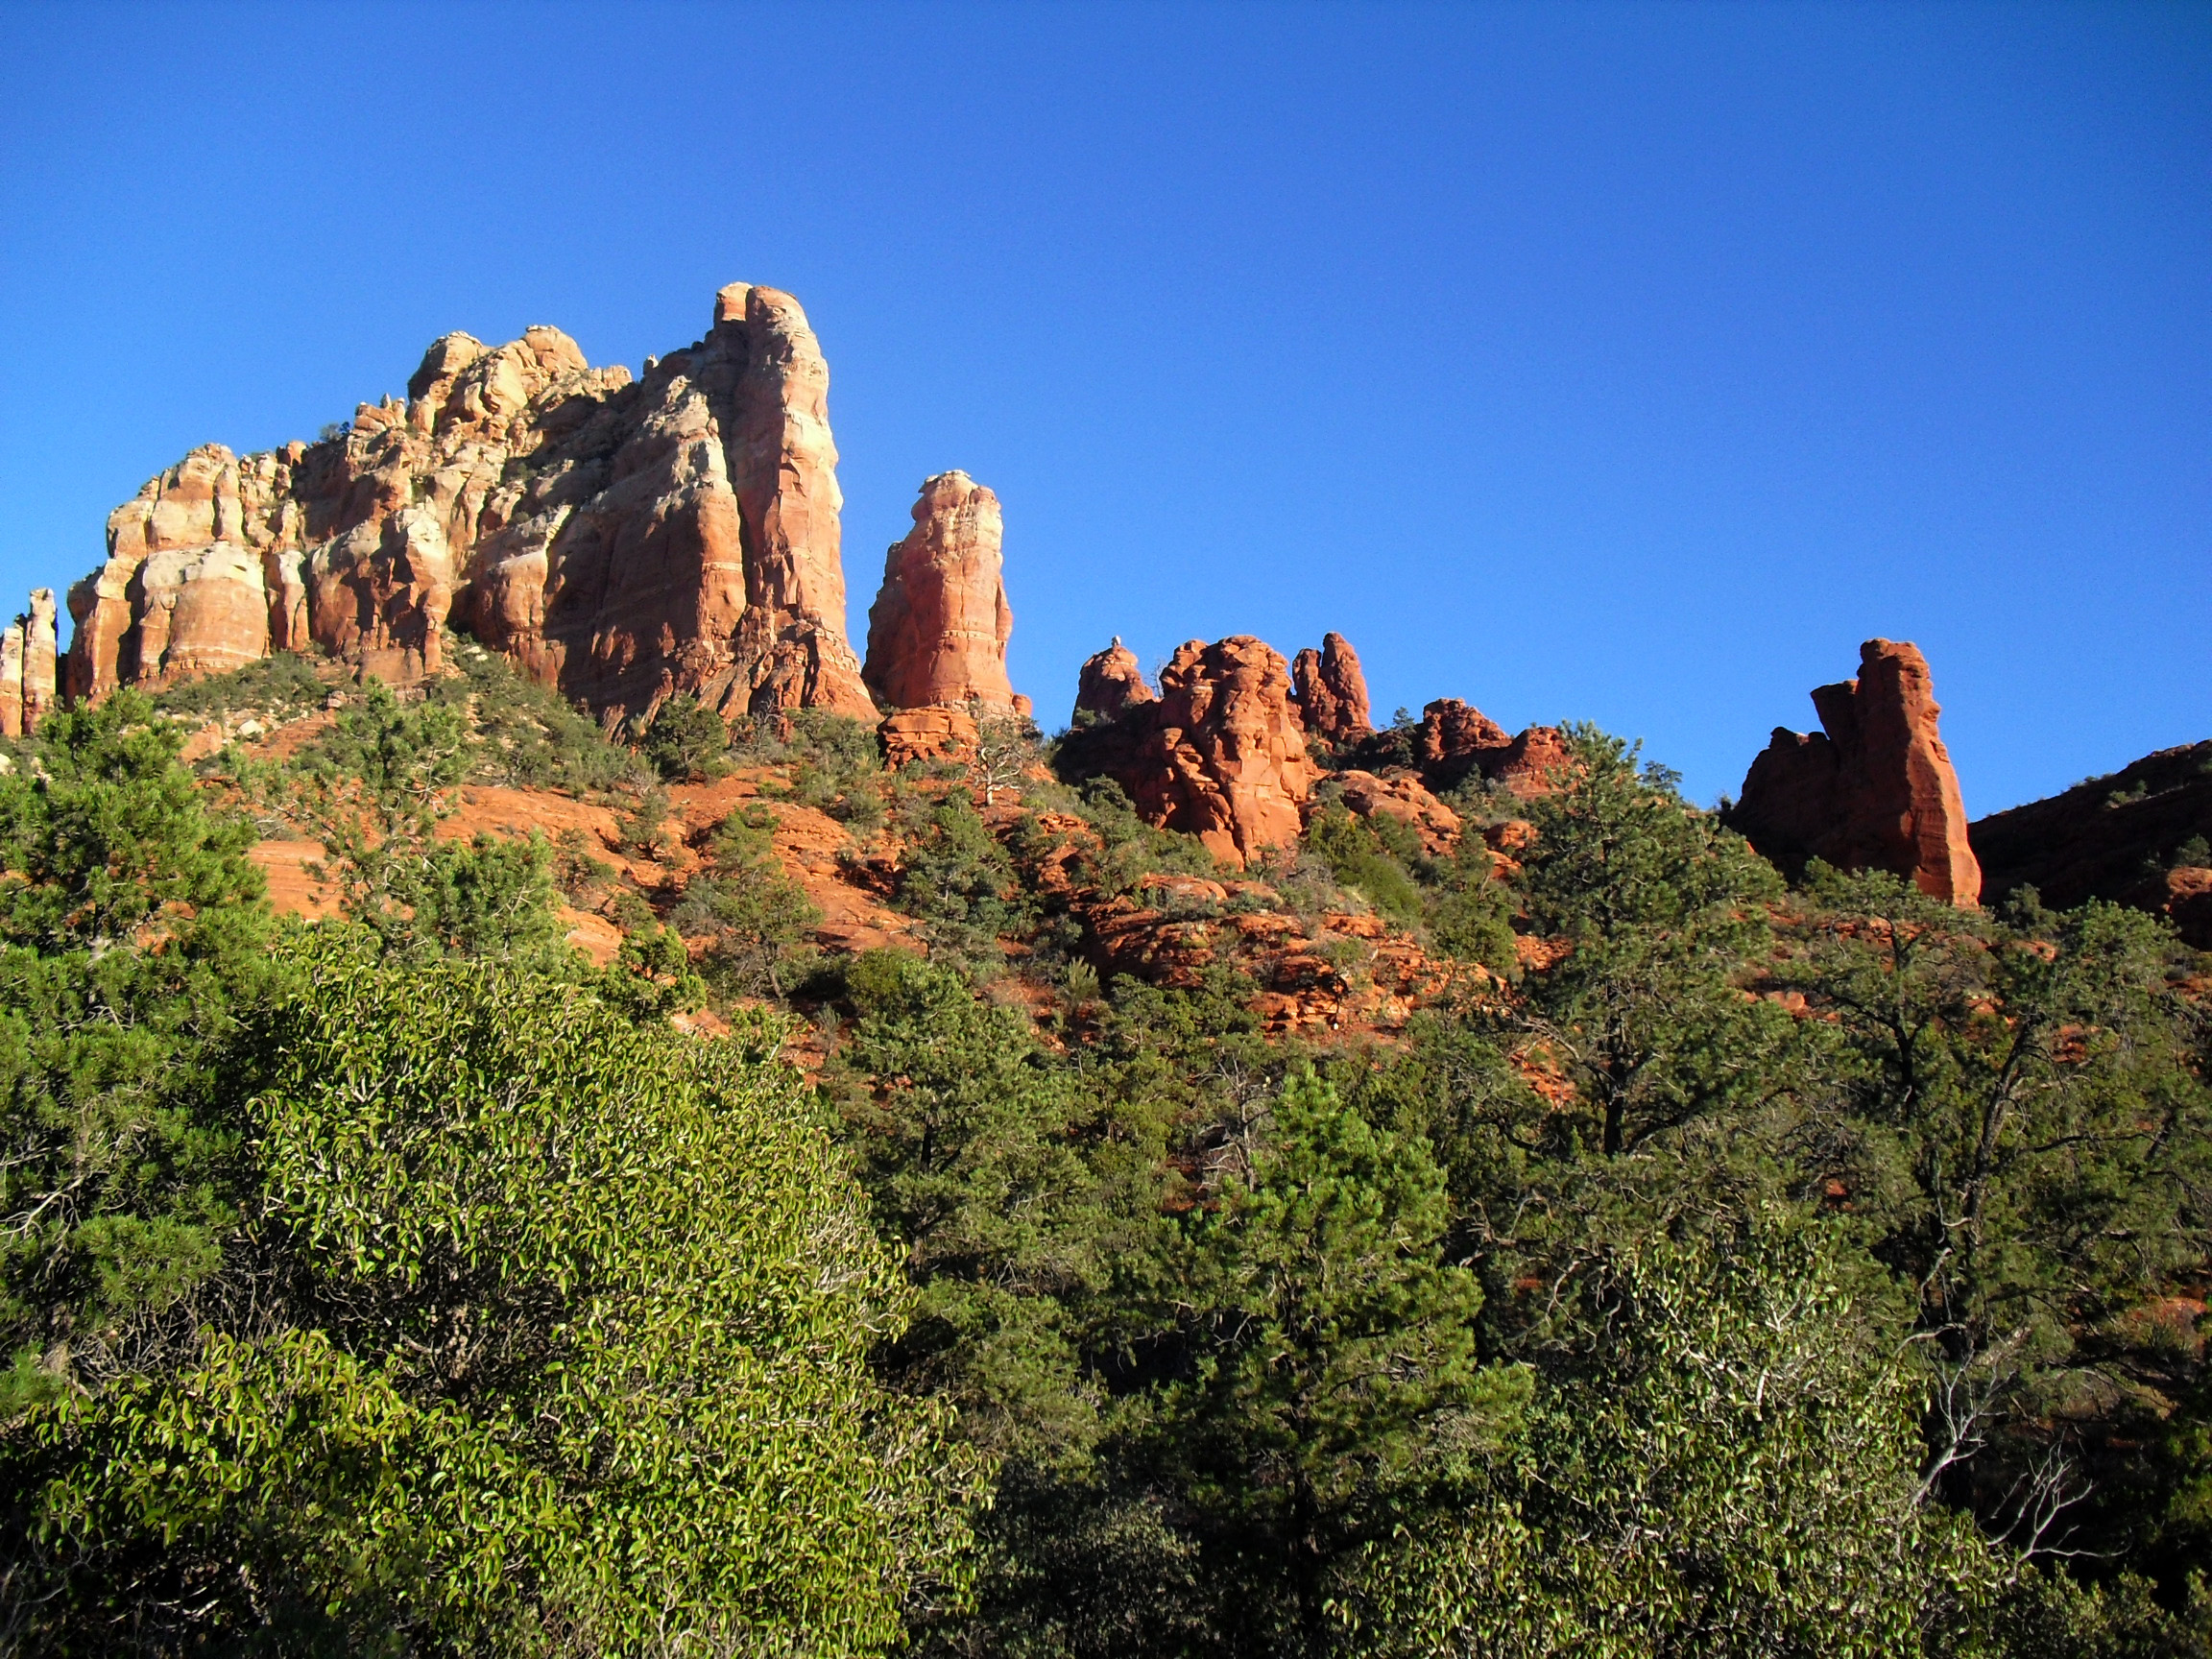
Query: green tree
{"x":132,"y":935}
{"x":685,"y":739}
{"x":1333,"y":1374}
{"x":560,"y":1341}
{"x":754,"y":914}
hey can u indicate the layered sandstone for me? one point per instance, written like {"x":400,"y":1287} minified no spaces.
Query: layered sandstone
{"x":27,"y":666}
{"x":1111,"y":683}
{"x":1332,"y":691}
{"x":621,"y":541}
{"x":1220,"y":753}
{"x":1874,"y":789}
{"x":938,"y":631}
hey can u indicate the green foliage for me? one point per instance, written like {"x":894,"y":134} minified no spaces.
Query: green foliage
{"x":132,"y":937}
{"x":836,"y":764}
{"x":526,"y":736}
{"x":960,"y":884}
{"x":588,"y":1364}
{"x":1353,"y":850}
{"x":276,"y":687}
{"x":1729,"y":1468}
{"x":1333,"y":1363}
{"x":685,"y":739}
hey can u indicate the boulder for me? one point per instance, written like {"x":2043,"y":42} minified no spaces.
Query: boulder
{"x":1456,"y":741}
{"x":621,"y":540}
{"x":1111,"y":683}
{"x":938,"y":631}
{"x":1874,"y":789}
{"x":1332,"y":691}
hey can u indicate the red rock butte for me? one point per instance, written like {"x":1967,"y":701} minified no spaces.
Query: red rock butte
{"x":1873,"y":790}
{"x":621,"y":540}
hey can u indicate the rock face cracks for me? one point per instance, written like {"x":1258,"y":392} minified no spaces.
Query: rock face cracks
{"x":620,"y":540}
{"x":1874,"y":790}
{"x":937,"y":634}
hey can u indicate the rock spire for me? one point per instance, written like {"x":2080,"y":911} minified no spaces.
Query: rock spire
{"x":1332,"y":691}
{"x":1874,"y":789}
{"x":938,"y":631}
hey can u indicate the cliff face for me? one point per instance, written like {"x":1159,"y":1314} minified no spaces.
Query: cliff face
{"x":1874,"y":790}
{"x":937,"y":634}
{"x":621,"y":540}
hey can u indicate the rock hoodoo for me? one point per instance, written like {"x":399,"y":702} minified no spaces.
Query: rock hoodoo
{"x":1332,"y":691}
{"x":620,"y":540}
{"x":1111,"y":683}
{"x":937,"y":634}
{"x":1873,"y":790}
{"x":1220,"y":753}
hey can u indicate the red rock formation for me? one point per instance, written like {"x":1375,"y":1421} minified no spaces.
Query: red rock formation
{"x":38,"y":657}
{"x":1877,"y":791}
{"x":1402,"y":798}
{"x":1221,"y":755}
{"x":1332,"y":691}
{"x":619,"y":540}
{"x":937,"y":634}
{"x":1111,"y":683}
{"x":1454,"y":741}
{"x":927,"y":734}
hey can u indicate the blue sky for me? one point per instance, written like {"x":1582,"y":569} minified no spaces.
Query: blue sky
{"x":1620,"y":363}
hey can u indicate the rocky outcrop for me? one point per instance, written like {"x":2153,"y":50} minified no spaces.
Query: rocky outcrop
{"x":1220,"y":753}
{"x":2132,"y":837}
{"x":1111,"y":684}
{"x":1402,"y":798}
{"x":1454,"y":741}
{"x":937,"y":634}
{"x":1874,"y":789}
{"x":621,"y":541}
{"x":1332,"y":691}
{"x":913,"y":735}
{"x":41,"y":664}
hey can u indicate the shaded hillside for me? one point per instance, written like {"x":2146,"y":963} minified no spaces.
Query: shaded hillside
{"x":2139,"y":837}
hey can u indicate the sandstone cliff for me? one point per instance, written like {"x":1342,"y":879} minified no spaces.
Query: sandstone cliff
{"x":1875,"y":791}
{"x":938,"y":631}
{"x":28,"y":666}
{"x":621,"y":541}
{"x":1332,"y":691}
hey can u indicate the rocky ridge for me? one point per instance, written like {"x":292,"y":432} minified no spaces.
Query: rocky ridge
{"x":620,"y":539}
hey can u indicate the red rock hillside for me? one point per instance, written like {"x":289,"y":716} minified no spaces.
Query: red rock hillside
{"x":937,"y":634}
{"x":619,"y":540}
{"x":1875,"y":791}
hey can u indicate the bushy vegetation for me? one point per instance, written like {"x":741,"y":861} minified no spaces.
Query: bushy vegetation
{"x":1728,"y":1268}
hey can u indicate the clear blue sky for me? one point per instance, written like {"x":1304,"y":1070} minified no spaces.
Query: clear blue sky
{"x":1619,"y":363}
